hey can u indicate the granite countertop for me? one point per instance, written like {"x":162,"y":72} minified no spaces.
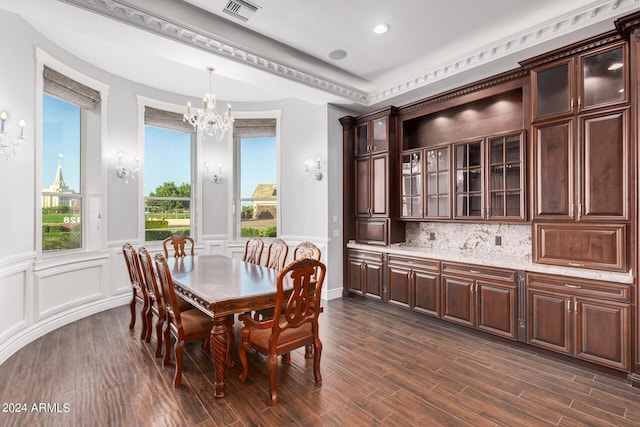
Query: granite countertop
{"x":504,"y":261}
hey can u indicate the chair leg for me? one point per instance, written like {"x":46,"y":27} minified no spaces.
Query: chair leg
{"x":308,"y":351}
{"x":159,"y":325}
{"x":272,"y":366}
{"x":286,"y":358}
{"x":132,"y":308}
{"x":178,"y":349}
{"x":242,"y":353}
{"x":148,"y":317}
{"x":317,"y":353}
{"x":143,"y":317}
{"x":167,"y":343}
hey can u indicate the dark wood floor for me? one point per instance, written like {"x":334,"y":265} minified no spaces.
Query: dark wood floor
{"x":381,"y":366}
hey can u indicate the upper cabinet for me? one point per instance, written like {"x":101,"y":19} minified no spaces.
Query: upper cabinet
{"x":581,"y":83}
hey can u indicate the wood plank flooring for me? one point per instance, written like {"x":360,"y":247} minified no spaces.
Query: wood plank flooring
{"x":381,"y":365}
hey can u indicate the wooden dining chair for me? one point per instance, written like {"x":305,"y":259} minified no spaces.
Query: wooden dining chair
{"x":139,"y":291}
{"x":156,"y":305}
{"x":296,"y":327}
{"x":184,"y":326}
{"x":277,"y":252}
{"x":179,"y":244}
{"x":308,"y":250}
{"x":253,"y":250}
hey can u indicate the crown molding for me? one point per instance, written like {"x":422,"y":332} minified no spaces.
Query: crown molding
{"x":578,"y":19}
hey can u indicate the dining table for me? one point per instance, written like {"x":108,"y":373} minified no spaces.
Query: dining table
{"x":221,"y":287}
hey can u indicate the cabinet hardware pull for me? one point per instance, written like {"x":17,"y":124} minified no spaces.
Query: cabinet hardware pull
{"x":571,"y":104}
{"x":474,"y":271}
{"x":571,"y":209}
{"x":572,"y":286}
{"x":576,"y":264}
{"x":575,"y":307}
{"x":579,"y":102}
{"x":580,"y":211}
{"x":568,"y":306}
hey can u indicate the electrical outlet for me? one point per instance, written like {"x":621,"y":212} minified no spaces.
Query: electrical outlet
{"x":432,"y":236}
{"x":498,"y":240}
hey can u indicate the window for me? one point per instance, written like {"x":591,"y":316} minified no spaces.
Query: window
{"x":62,"y":197}
{"x":167,"y":175}
{"x":256,"y":152}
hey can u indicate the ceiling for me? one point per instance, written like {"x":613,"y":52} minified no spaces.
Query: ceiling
{"x":282,"y":50}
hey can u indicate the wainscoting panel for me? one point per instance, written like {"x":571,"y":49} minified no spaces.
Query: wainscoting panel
{"x":13,"y":304}
{"x":59,"y":288}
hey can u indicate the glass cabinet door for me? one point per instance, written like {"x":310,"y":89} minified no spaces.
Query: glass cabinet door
{"x":412,"y":184}
{"x":379,"y":142}
{"x":554,"y":92}
{"x":506,"y":180}
{"x":438,"y":181}
{"x":362,"y":139}
{"x":468,"y":185}
{"x":604,"y":77}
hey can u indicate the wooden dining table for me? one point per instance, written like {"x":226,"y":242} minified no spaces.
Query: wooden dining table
{"x":221,"y":287}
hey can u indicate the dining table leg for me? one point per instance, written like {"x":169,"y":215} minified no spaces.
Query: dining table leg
{"x":219,"y":350}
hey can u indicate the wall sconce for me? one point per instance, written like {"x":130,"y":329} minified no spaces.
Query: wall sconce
{"x":8,"y":148}
{"x":315,"y":172}
{"x":125,"y":173}
{"x":214,"y":177}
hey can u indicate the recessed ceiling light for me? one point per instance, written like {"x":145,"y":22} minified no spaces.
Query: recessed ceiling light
{"x":381,"y":28}
{"x":337,"y":54}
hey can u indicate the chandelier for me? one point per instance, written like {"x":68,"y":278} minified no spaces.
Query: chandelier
{"x":206,"y":120}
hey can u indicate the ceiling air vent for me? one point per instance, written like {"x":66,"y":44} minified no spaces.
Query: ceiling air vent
{"x":240,"y":9}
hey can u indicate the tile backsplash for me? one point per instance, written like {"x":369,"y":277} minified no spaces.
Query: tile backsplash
{"x":477,"y":238}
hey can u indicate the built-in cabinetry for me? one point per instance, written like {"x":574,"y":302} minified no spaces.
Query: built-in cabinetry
{"x":581,"y":157}
{"x":586,"y":319}
{"x":480,"y":297}
{"x":414,"y":283}
{"x":364,"y":273}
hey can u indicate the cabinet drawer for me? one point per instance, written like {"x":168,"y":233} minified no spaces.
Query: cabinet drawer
{"x":411,"y":262}
{"x":597,"y":246}
{"x":372,"y":231}
{"x":580,"y":287}
{"x":365,"y":256}
{"x":479,"y":272}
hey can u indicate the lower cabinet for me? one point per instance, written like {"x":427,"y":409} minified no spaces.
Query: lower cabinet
{"x":482,"y":298}
{"x":364,"y":273}
{"x":414,"y":283}
{"x":587,"y":319}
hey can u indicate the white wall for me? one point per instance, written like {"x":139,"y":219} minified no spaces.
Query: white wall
{"x":39,"y":294}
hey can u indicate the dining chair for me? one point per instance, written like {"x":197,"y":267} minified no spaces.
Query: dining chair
{"x":184,"y":326}
{"x":139,"y":291}
{"x":307,"y":250}
{"x":297,"y":326}
{"x":179,"y":243}
{"x":156,"y":305}
{"x":253,"y":250}
{"x":277,"y":252}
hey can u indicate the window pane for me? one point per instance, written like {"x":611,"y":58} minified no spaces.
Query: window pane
{"x":258,"y":187}
{"x":61,"y":198}
{"x":167,"y":182}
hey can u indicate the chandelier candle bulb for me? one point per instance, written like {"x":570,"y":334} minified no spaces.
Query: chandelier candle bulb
{"x":3,"y":119}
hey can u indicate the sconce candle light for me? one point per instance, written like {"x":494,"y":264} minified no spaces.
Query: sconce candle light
{"x":125,"y":173}
{"x":8,"y":148}
{"x":316,"y":173}
{"x":215,"y":178}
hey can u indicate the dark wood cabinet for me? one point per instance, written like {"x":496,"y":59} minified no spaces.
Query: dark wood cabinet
{"x":586,"y":319}
{"x":364,"y":273}
{"x":480,"y":297}
{"x":414,"y":283}
{"x":579,"y":83}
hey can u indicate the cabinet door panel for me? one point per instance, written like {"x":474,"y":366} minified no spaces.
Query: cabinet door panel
{"x":602,"y":333}
{"x":354,"y":276}
{"x":549,"y":320}
{"x":457,"y":300}
{"x":605,"y":166}
{"x":497,"y":309}
{"x":379,"y":185}
{"x":373,"y":280}
{"x":554,"y":89}
{"x":399,"y":285}
{"x":363,"y":174}
{"x":427,"y":293}
{"x":553,"y":156}
{"x":603,"y":77}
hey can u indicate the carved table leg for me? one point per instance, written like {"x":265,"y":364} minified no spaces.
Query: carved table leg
{"x":219,"y":349}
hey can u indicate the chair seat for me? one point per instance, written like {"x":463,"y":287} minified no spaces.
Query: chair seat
{"x":195,"y":323}
{"x":260,"y":337}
